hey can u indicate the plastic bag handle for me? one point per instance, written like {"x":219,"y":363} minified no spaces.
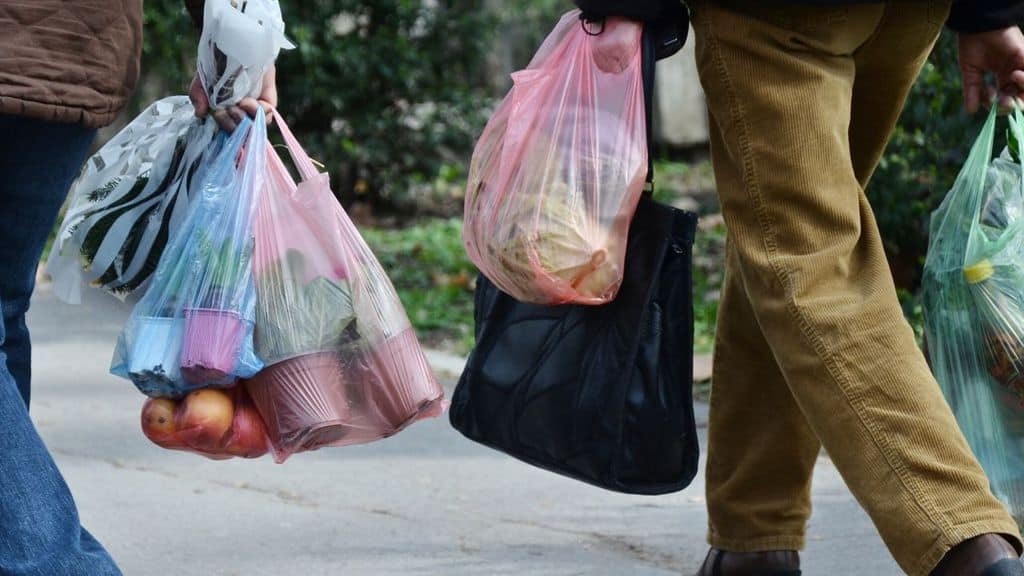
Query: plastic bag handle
{"x":231,"y":143}
{"x":979,"y":158}
{"x":976,"y":169}
{"x":307,"y":171}
{"x":1016,"y":119}
{"x":648,"y":64}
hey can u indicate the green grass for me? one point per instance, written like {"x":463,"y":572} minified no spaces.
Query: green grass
{"x":434,"y":279}
{"x":675,"y":179}
{"x":708,"y":269}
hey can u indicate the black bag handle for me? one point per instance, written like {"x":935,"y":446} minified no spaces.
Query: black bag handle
{"x":648,"y":62}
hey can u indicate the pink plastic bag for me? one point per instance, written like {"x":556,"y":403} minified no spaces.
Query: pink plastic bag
{"x":343,"y":365}
{"x":557,"y":174}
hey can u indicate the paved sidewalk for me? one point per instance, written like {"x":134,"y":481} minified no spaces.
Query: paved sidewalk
{"x":426,"y":502}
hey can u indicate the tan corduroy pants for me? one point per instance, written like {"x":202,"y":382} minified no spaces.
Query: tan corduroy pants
{"x":812,"y":348}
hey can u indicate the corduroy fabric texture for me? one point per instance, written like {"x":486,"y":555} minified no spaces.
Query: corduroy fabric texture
{"x":812,"y":347}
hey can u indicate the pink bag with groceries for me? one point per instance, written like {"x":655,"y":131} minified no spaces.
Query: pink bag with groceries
{"x":557,"y":174}
{"x":343,"y":364}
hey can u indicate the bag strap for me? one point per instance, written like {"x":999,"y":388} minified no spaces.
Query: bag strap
{"x":648,"y":62}
{"x":307,"y":171}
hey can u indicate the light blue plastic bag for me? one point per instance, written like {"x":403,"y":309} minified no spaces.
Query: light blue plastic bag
{"x":194,"y":326}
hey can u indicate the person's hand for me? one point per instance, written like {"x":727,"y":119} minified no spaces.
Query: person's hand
{"x":229,"y":118}
{"x":615,"y":47}
{"x":1000,"y":52}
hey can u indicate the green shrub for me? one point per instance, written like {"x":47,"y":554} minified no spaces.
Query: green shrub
{"x":434,"y":278}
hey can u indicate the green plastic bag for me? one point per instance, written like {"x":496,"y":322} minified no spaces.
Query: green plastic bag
{"x":974,"y":307}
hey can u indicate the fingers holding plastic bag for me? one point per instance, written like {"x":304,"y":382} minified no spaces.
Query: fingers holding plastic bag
{"x":235,"y":65}
{"x":229,"y":117}
{"x":616,"y":44}
{"x":237,"y":49}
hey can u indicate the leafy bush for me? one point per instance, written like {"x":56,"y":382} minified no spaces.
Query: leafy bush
{"x":928,"y":147}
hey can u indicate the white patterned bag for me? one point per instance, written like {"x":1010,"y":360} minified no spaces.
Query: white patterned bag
{"x":128,"y":200}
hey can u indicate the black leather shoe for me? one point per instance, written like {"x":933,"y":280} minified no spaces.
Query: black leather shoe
{"x":774,"y":563}
{"x":986,"y":555}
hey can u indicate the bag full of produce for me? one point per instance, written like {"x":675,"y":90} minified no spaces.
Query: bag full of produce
{"x":193,"y":328}
{"x":557,"y":173}
{"x":218,"y":424}
{"x":974,"y":307}
{"x":343,"y":364}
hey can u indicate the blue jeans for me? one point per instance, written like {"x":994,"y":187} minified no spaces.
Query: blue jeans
{"x":40,"y":533}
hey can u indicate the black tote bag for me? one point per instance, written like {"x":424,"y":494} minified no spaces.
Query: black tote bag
{"x":602,"y":394}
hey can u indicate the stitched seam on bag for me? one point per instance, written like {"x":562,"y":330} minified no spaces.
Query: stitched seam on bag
{"x":853,"y":398}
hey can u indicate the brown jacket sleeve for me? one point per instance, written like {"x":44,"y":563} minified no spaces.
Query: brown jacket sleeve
{"x":195,"y":10}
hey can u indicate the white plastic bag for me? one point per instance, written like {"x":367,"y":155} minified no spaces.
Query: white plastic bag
{"x":131,"y":195}
{"x":240,"y":41}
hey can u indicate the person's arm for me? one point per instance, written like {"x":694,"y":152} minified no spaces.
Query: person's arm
{"x":668,"y":19}
{"x":645,"y":10}
{"x":972,"y":16}
{"x":990,"y":42}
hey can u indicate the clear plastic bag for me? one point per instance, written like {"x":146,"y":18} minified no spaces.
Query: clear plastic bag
{"x":973,"y":292}
{"x":131,"y":196}
{"x":557,"y":174}
{"x":343,"y":362}
{"x":239,"y":43}
{"x":193,"y":328}
{"x":218,"y":424}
